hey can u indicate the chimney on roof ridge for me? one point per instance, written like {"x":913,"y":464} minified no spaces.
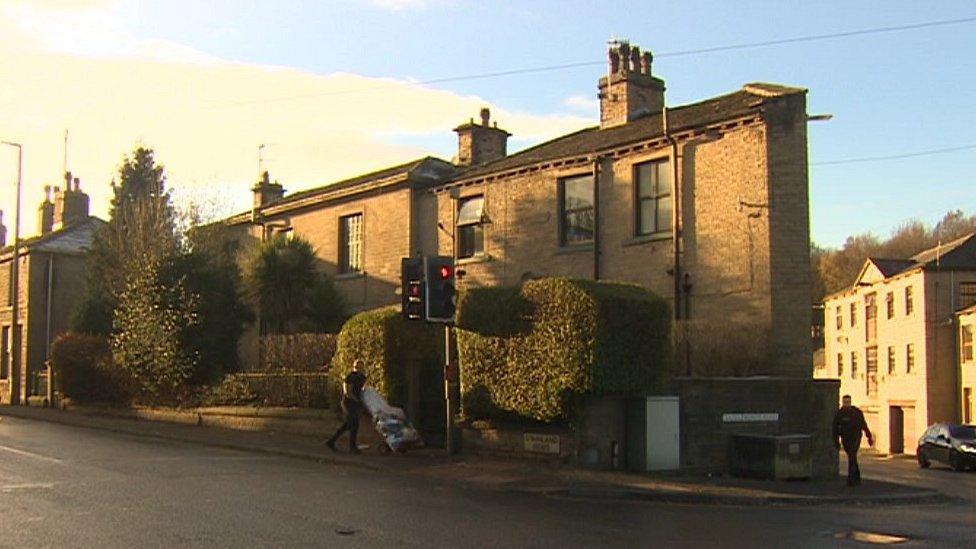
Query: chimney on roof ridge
{"x":629,"y":90}
{"x":45,"y":213}
{"x":70,"y":204}
{"x":478,"y":144}
{"x":265,"y":192}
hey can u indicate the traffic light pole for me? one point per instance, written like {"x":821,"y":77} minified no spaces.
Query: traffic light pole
{"x":451,"y":391}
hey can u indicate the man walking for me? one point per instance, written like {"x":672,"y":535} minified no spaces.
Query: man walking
{"x":352,"y":405}
{"x":848,"y":424}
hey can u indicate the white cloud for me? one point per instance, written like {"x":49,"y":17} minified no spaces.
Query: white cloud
{"x":205,"y":116}
{"x":582,"y":103}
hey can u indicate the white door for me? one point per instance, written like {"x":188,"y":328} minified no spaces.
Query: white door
{"x":662,"y":434}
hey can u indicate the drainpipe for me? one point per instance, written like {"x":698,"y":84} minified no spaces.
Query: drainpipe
{"x":47,"y":330}
{"x":675,"y":214}
{"x":596,"y":217}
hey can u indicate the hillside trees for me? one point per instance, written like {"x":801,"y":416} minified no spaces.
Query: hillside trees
{"x":835,"y":269}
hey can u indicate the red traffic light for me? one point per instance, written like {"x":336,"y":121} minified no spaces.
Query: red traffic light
{"x":446,"y":272}
{"x":414,"y":289}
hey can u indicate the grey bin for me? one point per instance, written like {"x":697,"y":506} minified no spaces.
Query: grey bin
{"x":780,"y":457}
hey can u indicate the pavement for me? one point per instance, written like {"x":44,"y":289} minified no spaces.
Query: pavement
{"x":519,"y":476}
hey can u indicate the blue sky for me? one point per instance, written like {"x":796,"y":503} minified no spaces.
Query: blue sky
{"x":890,"y":93}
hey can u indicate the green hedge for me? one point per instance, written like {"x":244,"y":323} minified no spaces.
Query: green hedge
{"x":288,"y":389}
{"x":389,"y":346}
{"x":84,"y":371}
{"x":534,"y":351}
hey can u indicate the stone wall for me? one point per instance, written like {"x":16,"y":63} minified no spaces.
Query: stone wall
{"x":803,"y":407}
{"x":487,"y":439}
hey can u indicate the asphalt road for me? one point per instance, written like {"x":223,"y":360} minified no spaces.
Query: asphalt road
{"x":64,"y":486}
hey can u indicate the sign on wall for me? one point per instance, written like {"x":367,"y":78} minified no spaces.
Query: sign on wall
{"x":542,"y":444}
{"x":750,"y":417}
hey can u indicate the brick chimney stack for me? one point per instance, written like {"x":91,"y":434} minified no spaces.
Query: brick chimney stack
{"x":266,"y":192}
{"x":70,"y":204}
{"x":629,"y":91}
{"x":45,"y":213}
{"x":480,"y":143}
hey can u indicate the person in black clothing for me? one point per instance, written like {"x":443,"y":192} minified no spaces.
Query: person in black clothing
{"x":352,"y":405}
{"x":848,"y":424}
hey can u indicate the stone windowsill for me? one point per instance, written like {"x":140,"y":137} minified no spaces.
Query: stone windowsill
{"x":574,"y":248}
{"x":349,"y":276}
{"x":478,"y":258}
{"x":644,"y":239}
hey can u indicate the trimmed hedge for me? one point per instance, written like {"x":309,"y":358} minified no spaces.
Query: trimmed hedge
{"x":305,"y":352}
{"x":288,"y":389}
{"x":388,"y":345}
{"x":534,"y":351}
{"x":84,"y":371}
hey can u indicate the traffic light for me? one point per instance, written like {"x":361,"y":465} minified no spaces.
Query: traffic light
{"x":441,"y":295}
{"x":412,"y":288}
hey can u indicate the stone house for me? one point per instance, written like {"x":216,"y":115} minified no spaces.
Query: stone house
{"x":891,"y":340}
{"x":966,"y":322}
{"x":705,"y":204}
{"x":52,"y":277}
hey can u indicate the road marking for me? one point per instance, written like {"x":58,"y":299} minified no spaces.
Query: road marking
{"x":28,"y":486}
{"x":29,"y":454}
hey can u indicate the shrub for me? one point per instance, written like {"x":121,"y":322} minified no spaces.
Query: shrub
{"x":83,"y":366}
{"x":533,"y":351}
{"x":307,"y":352}
{"x":154,"y":315}
{"x":289,"y":389}
{"x":390,"y":348}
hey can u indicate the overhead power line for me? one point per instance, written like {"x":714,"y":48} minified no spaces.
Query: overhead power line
{"x":680,"y":53}
{"x":894,"y":156}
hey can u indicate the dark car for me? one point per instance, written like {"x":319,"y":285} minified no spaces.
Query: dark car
{"x":949,"y":443}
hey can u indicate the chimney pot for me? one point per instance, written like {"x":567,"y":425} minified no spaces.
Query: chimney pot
{"x":629,"y":90}
{"x":77,"y":181}
{"x":485,"y":116}
{"x":47,"y":193}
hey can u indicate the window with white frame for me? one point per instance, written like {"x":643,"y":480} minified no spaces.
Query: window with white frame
{"x":470,"y":230}
{"x":351,"y":243}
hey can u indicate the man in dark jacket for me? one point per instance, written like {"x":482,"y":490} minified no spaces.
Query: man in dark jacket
{"x":848,"y":424}
{"x":352,"y":406}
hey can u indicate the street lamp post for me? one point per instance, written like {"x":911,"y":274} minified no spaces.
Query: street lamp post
{"x":15,"y":354}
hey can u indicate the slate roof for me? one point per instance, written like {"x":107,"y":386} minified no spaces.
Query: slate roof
{"x":593,"y":139}
{"x":427,"y":170}
{"x":957,"y":254}
{"x":417,"y":165}
{"x":891,"y":267}
{"x":74,"y":238}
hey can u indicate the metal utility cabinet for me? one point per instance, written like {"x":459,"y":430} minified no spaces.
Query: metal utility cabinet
{"x":653,"y":441}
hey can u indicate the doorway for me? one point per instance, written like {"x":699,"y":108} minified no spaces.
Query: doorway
{"x":896,"y":430}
